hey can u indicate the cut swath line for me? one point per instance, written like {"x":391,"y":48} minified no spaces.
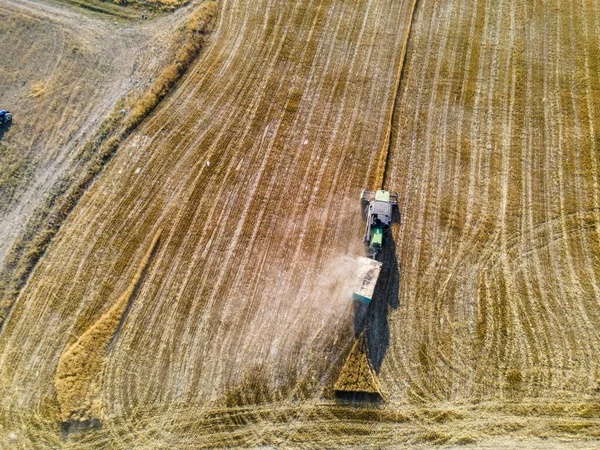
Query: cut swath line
{"x":382,"y":166}
{"x":78,"y":373}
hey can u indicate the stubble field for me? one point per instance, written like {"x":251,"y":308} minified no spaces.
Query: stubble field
{"x":197,"y":297}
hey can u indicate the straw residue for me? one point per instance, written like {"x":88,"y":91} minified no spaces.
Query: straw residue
{"x":77,"y":378}
{"x":357,"y":374}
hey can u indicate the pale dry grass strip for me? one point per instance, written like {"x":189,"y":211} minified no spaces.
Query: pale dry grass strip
{"x":78,"y":373}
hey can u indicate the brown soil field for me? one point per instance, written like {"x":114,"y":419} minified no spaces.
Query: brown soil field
{"x":197,"y":295}
{"x":62,"y":73}
{"x":44,"y":51}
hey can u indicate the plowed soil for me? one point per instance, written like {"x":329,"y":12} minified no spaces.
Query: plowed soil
{"x":483,"y":330}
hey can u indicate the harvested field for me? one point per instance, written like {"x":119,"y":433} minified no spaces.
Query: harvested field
{"x":496,"y":164}
{"x":483,"y":328}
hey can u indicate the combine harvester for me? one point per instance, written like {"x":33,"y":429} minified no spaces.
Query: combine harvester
{"x":378,"y":209}
{"x":357,"y":379}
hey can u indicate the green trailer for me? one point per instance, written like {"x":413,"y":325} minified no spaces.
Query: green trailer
{"x":366,"y":280}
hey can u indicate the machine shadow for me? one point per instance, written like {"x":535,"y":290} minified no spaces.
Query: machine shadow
{"x":385,"y":299}
{"x":4,"y":128}
{"x":357,"y":398}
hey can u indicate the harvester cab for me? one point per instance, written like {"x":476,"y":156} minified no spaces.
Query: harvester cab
{"x":378,"y":207}
{"x":5,"y":117}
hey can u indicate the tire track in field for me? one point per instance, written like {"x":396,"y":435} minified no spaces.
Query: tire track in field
{"x":246,"y":236}
{"x":488,"y":282}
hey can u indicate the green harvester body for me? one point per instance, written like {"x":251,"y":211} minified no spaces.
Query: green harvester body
{"x":378,"y":211}
{"x":376,"y":239}
{"x":378,"y":207}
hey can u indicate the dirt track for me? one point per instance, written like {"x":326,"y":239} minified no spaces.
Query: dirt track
{"x":494,"y":157}
{"x":62,"y":73}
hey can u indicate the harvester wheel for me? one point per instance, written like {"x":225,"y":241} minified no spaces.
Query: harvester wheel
{"x":362,"y":196}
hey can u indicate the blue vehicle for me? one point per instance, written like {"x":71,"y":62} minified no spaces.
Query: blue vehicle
{"x":5,"y":117}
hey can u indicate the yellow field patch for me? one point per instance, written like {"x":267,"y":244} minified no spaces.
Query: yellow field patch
{"x":482,"y":115}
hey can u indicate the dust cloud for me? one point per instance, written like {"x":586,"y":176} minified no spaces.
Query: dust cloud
{"x":335,"y":284}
